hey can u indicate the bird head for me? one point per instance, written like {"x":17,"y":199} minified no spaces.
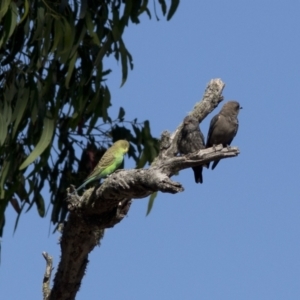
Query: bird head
{"x":123,"y":145}
{"x":190,"y":123}
{"x":232,"y":107}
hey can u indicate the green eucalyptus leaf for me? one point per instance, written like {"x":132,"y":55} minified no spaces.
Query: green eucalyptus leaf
{"x":70,"y":69}
{"x":151,"y":202}
{"x":23,"y":97}
{"x":173,"y":8}
{"x":3,"y":175}
{"x":4,"y":4}
{"x":121,"y":113}
{"x":3,"y":131}
{"x":123,"y":53}
{"x":163,"y":6}
{"x":26,"y":10}
{"x":40,"y":205}
{"x":43,"y":143}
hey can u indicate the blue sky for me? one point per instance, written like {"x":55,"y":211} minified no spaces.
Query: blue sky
{"x":236,"y":236}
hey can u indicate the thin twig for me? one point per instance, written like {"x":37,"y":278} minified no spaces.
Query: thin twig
{"x":47,"y":276}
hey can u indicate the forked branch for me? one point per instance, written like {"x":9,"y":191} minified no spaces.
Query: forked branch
{"x":105,"y":206}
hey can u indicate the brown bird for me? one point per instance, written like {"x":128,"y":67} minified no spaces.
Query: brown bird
{"x":191,"y":139}
{"x":223,"y":127}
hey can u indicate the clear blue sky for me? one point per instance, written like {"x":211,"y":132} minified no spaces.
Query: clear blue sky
{"x":237,"y":236}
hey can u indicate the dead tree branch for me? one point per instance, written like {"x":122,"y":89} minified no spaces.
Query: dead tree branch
{"x":105,"y":206}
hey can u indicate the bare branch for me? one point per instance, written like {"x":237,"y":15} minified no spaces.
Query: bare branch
{"x":106,"y":205}
{"x":211,"y":99}
{"x":128,"y":184}
{"x":47,"y":276}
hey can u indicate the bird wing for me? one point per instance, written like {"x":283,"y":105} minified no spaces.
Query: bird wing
{"x":235,"y":132}
{"x":237,"y":126}
{"x":212,"y":125}
{"x":202,"y":138}
{"x":106,"y":160}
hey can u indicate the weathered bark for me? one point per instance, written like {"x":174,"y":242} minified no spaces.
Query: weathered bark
{"x":47,"y":276}
{"x":105,"y":206}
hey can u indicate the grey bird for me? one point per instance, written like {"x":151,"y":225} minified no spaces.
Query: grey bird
{"x":223,"y":127}
{"x":191,"y":139}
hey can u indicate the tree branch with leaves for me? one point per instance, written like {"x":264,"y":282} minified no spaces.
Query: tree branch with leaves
{"x":54,"y":98}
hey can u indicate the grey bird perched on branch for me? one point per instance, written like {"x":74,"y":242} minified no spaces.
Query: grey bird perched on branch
{"x":191,"y":139}
{"x":223,"y":127}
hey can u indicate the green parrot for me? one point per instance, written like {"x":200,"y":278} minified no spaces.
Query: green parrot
{"x":108,"y":163}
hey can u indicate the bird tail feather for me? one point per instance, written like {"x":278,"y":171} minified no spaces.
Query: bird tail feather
{"x":198,"y":174}
{"x":215,"y":164}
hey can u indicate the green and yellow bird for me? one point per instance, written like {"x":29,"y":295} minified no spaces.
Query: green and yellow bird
{"x":108,"y":163}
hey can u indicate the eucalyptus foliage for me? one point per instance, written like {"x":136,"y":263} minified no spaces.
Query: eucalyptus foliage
{"x":54,"y":98}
